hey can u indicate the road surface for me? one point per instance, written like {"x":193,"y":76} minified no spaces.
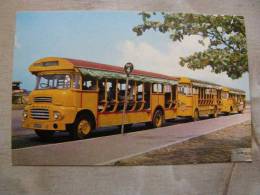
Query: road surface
{"x":101,"y":150}
{"x":26,"y":137}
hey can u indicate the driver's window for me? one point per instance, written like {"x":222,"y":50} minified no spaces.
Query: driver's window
{"x":53,"y":81}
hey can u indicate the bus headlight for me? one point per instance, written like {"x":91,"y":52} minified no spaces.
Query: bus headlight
{"x":56,"y":115}
{"x":25,"y":114}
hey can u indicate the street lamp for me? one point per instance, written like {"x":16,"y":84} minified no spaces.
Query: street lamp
{"x":128,"y":68}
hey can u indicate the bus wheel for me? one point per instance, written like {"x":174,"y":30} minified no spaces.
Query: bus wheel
{"x":157,"y":119}
{"x":44,"y":134}
{"x":196,"y":116}
{"x":82,"y":128}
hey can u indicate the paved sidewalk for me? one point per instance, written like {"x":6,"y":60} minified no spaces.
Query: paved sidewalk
{"x":245,"y":178}
{"x":105,"y":150}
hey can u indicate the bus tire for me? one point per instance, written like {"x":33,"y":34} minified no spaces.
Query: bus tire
{"x":44,"y":134}
{"x":82,"y":127}
{"x":196,"y":115}
{"x":158,"y":119}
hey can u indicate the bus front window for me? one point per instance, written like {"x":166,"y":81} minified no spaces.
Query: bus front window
{"x":53,"y":81}
{"x":224,"y":95}
{"x":185,"y":90}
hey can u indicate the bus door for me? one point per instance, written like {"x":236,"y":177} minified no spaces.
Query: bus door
{"x":157,"y":95}
{"x":185,"y":100}
{"x":170,"y":96}
{"x":225,"y":106}
{"x":195,"y":97}
{"x":89,"y":93}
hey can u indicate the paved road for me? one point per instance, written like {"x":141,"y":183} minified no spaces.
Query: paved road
{"x":26,"y":137}
{"x":107,"y":149}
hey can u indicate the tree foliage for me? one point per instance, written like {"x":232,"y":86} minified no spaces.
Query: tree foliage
{"x":227,"y":51}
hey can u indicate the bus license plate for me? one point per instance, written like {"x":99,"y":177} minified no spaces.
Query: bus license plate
{"x":37,"y":126}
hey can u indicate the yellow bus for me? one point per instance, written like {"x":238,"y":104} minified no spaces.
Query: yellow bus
{"x":198,"y":98}
{"x":79,"y":96}
{"x":232,"y":100}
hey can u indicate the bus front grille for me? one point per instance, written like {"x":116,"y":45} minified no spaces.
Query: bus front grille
{"x":43,"y":99}
{"x":40,"y":113}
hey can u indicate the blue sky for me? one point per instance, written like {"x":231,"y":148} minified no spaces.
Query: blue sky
{"x":104,"y":37}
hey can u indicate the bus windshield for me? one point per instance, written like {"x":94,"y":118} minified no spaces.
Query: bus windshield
{"x":185,"y":89}
{"x":53,"y":81}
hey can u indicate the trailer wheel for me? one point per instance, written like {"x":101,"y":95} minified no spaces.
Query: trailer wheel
{"x":158,"y":119}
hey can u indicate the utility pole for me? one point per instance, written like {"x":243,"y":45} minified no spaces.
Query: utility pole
{"x":128,"y":68}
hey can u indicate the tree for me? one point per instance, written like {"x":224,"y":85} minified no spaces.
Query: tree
{"x":227,"y":51}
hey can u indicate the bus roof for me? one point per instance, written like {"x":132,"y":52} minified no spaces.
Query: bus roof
{"x":88,"y":67}
{"x":200,"y":83}
{"x":76,"y":63}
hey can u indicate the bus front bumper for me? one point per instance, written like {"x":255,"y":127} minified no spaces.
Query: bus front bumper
{"x":46,"y":125}
{"x":225,"y":109}
{"x":67,"y":116}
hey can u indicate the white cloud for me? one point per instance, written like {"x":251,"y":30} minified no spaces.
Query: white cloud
{"x":166,"y":61}
{"x":16,"y":43}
